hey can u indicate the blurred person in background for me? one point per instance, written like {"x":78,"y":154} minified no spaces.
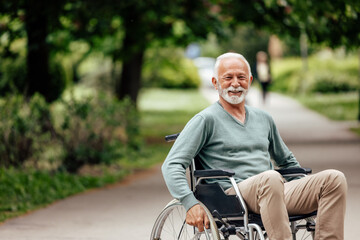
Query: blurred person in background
{"x":263,"y":73}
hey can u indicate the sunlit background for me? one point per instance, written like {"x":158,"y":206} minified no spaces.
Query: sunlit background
{"x":89,"y":89}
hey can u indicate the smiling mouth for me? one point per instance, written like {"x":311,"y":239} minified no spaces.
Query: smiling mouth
{"x":236,"y":92}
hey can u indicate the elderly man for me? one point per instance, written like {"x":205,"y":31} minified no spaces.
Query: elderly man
{"x":232,"y":135}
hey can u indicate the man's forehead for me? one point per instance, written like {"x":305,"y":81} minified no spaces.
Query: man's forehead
{"x":233,"y":64}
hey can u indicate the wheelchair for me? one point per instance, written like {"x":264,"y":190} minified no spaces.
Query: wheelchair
{"x":228,"y":215}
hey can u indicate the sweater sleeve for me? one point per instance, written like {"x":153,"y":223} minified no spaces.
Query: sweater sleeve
{"x":185,"y":148}
{"x":282,"y":156}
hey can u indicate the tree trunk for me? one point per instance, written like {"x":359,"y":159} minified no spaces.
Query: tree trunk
{"x":130,"y":80}
{"x":133,"y":49}
{"x":359,"y":87}
{"x":37,"y":61}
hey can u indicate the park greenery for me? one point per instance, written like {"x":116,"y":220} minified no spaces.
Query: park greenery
{"x":124,"y":30}
{"x":89,"y":89}
{"x":328,"y":72}
{"x":96,"y":140}
{"x":330,"y":86}
{"x":36,"y":185}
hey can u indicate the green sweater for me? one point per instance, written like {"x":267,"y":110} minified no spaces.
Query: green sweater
{"x":223,"y":142}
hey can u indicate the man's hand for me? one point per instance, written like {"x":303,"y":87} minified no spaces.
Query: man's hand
{"x":197,"y":217}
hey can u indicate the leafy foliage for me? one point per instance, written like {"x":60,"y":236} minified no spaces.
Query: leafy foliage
{"x":33,"y":19}
{"x":325,"y":74}
{"x":13,"y":78}
{"x":331,"y":22}
{"x":330,"y":84}
{"x":93,"y":130}
{"x":124,"y":30}
{"x":245,"y":39}
{"x":168,"y":68}
{"x":23,"y":129}
{"x":25,"y":189}
{"x":96,"y":130}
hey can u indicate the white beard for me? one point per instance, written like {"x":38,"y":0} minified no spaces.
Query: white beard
{"x":224,"y":93}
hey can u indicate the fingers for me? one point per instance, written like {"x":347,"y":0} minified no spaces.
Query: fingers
{"x":206,"y":221}
{"x":196,"y":216}
{"x":200,"y":225}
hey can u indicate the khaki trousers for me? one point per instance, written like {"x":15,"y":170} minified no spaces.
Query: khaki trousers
{"x":268,"y":195}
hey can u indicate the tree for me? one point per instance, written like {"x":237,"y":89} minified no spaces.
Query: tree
{"x":171,"y":22}
{"x":331,"y":23}
{"x":39,"y":17}
{"x":141,"y":24}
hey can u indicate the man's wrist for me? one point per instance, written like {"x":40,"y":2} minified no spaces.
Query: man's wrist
{"x":189,"y":201}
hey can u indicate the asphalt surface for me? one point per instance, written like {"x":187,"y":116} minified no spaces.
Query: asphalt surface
{"x":129,"y":209}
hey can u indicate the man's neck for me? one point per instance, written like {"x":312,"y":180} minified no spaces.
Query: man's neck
{"x":236,"y":110}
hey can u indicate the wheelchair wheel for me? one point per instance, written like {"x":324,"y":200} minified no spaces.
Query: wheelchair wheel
{"x":171,"y":225}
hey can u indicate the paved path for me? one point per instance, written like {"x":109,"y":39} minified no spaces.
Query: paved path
{"x":118,"y":212}
{"x":128,"y":210}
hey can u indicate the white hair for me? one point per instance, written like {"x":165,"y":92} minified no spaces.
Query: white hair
{"x":229,"y":55}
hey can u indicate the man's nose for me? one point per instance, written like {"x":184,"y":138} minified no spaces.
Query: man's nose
{"x":235,"y":82}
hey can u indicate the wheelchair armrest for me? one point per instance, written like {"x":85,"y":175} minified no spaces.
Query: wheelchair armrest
{"x":214,"y":173}
{"x":296,"y":170}
{"x":172,"y":137}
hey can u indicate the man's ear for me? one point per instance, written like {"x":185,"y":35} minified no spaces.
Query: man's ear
{"x":250,"y":80}
{"x":214,"y":81}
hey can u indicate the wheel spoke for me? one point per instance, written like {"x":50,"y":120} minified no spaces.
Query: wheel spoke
{"x":171,"y":225}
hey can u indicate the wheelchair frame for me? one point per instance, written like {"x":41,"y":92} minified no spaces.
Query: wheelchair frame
{"x":250,"y":226}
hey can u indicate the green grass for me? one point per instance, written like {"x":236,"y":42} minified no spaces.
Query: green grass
{"x":162,"y":112}
{"x":25,"y":190}
{"x":339,"y":106}
{"x":356,"y":130}
{"x":165,"y":112}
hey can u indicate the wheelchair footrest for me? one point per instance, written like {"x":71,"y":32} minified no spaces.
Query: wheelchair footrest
{"x":310,"y":226}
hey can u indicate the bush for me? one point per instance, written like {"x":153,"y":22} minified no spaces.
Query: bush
{"x":328,"y":83}
{"x":23,"y":129}
{"x":96,"y":130}
{"x":329,"y":75}
{"x":92,"y":130}
{"x":167,"y":68}
{"x":13,"y":77}
{"x":286,"y":75}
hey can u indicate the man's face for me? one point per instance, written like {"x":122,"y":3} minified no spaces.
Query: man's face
{"x":233,"y":80}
